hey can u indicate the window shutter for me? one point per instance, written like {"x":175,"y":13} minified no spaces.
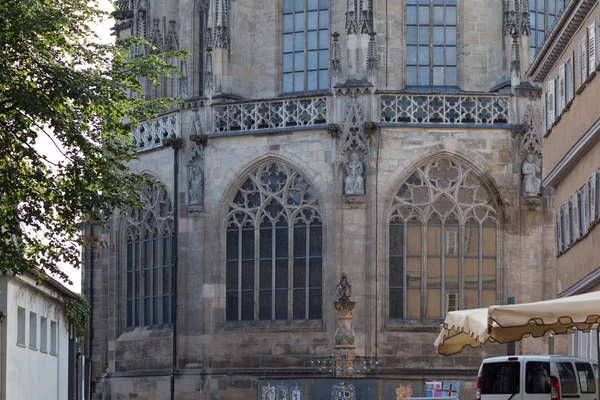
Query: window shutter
{"x":544,"y":112}
{"x":592,"y":46}
{"x":585,"y":209}
{"x":569,"y":78}
{"x":567,"y":225}
{"x":583,"y":60}
{"x":551,"y":103}
{"x":562,"y":91}
{"x":592,"y":200}
{"x":575,"y":217}
{"x":558,"y":233}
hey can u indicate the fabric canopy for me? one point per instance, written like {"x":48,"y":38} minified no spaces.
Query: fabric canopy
{"x":509,"y":323}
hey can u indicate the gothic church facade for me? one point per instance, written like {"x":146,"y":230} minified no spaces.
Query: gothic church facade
{"x":394,"y":142}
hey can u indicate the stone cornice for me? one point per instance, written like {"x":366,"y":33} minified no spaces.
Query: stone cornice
{"x":572,"y":157}
{"x":559,"y":38}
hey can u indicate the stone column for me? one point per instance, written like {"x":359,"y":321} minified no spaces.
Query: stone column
{"x":344,"y":333}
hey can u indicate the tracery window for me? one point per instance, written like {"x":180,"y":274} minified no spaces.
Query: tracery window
{"x":148,"y":238}
{"x":442,"y":243}
{"x":431,"y":43}
{"x":274,"y":247}
{"x":305,"y":45}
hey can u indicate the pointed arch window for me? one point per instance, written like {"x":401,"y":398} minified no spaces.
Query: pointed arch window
{"x":442,"y":243}
{"x":274,"y":247}
{"x":148,"y":261}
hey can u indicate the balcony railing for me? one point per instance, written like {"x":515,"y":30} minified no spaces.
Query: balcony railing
{"x":150,"y":134}
{"x":444,"y":109}
{"x":270,"y":114}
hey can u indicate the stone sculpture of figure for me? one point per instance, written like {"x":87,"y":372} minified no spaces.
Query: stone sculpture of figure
{"x":196,"y":180}
{"x":344,"y":289}
{"x":354,"y":182}
{"x":532,"y":185}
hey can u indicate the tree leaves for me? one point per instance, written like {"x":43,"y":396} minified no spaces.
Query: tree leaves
{"x":61,"y":85}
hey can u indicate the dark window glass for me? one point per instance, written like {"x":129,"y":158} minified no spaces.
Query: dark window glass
{"x":537,"y":377}
{"x":568,"y":380}
{"x":587,"y":382}
{"x":501,"y":378}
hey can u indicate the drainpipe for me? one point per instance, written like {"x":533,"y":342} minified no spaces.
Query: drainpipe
{"x":91,"y":300}
{"x":176,"y":144}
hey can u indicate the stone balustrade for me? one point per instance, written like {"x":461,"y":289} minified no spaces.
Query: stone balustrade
{"x":150,"y":134}
{"x":444,"y":109}
{"x":270,"y":114}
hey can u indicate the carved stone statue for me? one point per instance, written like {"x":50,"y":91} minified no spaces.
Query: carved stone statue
{"x":354,"y":181}
{"x":344,"y":289}
{"x":196,"y":181}
{"x":532,"y":185}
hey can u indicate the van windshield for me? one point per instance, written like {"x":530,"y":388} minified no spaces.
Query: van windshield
{"x":500,"y":378}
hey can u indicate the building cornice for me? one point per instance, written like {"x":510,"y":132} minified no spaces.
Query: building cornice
{"x":589,"y":281}
{"x":559,"y":38}
{"x":573,"y":156}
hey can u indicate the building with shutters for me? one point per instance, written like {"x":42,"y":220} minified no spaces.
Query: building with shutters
{"x":565,"y":66}
{"x":397,"y":143}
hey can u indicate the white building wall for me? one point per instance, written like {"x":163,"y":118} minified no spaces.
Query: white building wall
{"x":32,"y":373}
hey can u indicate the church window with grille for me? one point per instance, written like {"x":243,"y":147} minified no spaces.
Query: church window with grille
{"x":148,"y":265}
{"x":442,"y":243}
{"x":305,"y":45}
{"x":542,"y":17}
{"x":274,"y":249}
{"x":431,"y":43}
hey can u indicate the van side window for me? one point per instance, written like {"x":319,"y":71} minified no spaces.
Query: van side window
{"x":500,"y":378}
{"x":568,"y":381}
{"x":586,"y":377}
{"x":537,"y":377}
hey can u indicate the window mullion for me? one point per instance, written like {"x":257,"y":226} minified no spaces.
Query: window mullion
{"x":273,"y":268}
{"x":480,"y":272}
{"x":461,"y":266}
{"x":424,"y":253}
{"x":404,"y":274}
{"x":431,"y":42}
{"x":442,"y":269}
{"x":239,"y":273}
{"x":306,"y":45}
{"x":307,"y":275}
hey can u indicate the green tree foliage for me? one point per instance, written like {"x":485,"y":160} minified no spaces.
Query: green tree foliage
{"x":57,"y":80}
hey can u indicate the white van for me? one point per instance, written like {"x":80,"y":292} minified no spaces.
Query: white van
{"x":537,"y":378}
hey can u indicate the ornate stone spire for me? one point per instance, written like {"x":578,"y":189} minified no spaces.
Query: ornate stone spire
{"x":221,"y":24}
{"x":351,"y":18}
{"x":366,"y":17}
{"x":372,"y":57}
{"x":208,"y":41}
{"x":208,"y":71}
{"x":335,"y":64}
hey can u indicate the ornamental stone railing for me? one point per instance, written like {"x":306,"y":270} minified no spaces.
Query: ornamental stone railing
{"x":270,"y":114}
{"x":150,"y":134}
{"x":444,"y":109}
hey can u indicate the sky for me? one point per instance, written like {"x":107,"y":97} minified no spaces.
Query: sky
{"x":47,"y":147}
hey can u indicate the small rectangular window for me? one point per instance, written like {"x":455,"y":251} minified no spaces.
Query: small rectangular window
{"x":21,"y":326}
{"x":43,"y":334}
{"x":585,"y":374}
{"x":53,"y":337}
{"x":32,"y":330}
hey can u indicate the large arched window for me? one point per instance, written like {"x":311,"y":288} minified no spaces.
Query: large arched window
{"x":274,"y":247}
{"x":442,"y":242}
{"x":148,"y":261}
